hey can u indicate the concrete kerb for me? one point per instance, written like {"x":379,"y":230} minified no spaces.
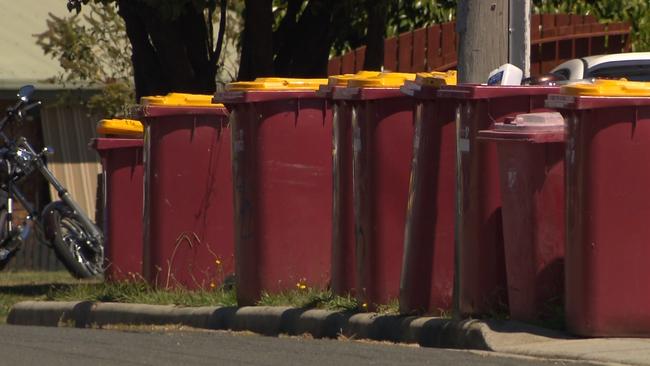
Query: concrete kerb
{"x":504,"y":337}
{"x":426,"y":331}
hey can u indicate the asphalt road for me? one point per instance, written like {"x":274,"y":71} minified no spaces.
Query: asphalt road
{"x":32,"y":346}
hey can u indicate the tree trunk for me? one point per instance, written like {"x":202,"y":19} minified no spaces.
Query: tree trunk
{"x":168,"y":55}
{"x":313,"y":40}
{"x":194,"y":31}
{"x":146,"y":67}
{"x":377,"y":18}
{"x":284,"y":39}
{"x":257,"y":45}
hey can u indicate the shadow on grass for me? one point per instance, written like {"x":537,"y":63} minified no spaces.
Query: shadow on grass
{"x":34,"y":290}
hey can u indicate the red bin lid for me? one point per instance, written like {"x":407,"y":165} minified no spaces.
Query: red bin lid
{"x":531,"y":127}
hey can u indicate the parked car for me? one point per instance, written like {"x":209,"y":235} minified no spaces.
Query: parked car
{"x":634,"y":66}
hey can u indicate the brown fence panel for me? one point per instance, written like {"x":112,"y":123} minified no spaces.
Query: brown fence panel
{"x":359,"y":58}
{"x":581,"y":47}
{"x":448,"y":45}
{"x":564,"y":47}
{"x":589,"y":19}
{"x":616,"y":40}
{"x":627,"y":38}
{"x":580,"y":44}
{"x":597,"y":43}
{"x":347,"y":64}
{"x":334,"y":66}
{"x":419,"y":50}
{"x":555,"y":38}
{"x":535,"y":22}
{"x":548,"y":50}
{"x":434,"y":57}
{"x":535,"y":51}
{"x":405,"y":52}
{"x":390,"y":54}
{"x":576,"y":20}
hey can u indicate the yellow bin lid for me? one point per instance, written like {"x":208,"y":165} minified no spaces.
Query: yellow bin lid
{"x":383,"y":80}
{"x":180,"y":100}
{"x":436,"y":78}
{"x":342,"y":80}
{"x":609,"y":88}
{"x":274,"y":83}
{"x":124,"y":127}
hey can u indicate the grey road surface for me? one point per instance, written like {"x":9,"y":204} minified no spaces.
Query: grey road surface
{"x":32,"y":346}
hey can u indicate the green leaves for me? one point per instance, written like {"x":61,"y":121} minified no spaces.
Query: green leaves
{"x":406,"y":15}
{"x":93,"y":51}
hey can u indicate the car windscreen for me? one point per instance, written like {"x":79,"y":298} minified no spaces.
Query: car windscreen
{"x":563,"y":73}
{"x":639,"y":72}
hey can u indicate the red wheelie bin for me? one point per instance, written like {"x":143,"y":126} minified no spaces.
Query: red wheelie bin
{"x":120,"y":151}
{"x":480,"y":271}
{"x":188,"y":226}
{"x":427,"y":276}
{"x":382,"y":144}
{"x":343,"y":258}
{"x":607,"y":203}
{"x":282,"y":166}
{"x":530,"y":150}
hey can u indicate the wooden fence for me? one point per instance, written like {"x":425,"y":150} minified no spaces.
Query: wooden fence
{"x":554,"y":38}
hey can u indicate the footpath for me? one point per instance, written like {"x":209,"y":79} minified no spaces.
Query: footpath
{"x":508,"y":337}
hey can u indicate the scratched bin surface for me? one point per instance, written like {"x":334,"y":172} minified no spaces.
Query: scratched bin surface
{"x":282,"y":161}
{"x":123,"y":173}
{"x":188,"y":196}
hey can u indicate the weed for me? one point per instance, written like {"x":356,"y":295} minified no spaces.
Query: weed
{"x":305,"y":297}
{"x":392,"y":308}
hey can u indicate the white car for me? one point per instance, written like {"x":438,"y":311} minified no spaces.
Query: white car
{"x":634,"y":66}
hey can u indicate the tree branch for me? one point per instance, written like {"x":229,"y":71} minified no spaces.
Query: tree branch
{"x":284,"y":38}
{"x":257,"y":45}
{"x":222,"y":31}
{"x":194,"y":48}
{"x":313,"y":40}
{"x":147,"y":71}
{"x":211,"y":7}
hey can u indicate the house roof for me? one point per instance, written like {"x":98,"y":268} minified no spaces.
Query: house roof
{"x":22,"y":60}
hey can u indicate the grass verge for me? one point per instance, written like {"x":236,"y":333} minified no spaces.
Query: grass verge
{"x":311,"y":298}
{"x":60,"y":286}
{"x":22,"y":286}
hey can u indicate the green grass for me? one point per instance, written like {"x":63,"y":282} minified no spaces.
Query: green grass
{"x":22,"y":286}
{"x":141,"y":293}
{"x":310,"y":298}
{"x":60,"y":286}
{"x":392,"y":308}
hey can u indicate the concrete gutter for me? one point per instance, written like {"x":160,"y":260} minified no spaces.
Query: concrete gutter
{"x":499,"y":336}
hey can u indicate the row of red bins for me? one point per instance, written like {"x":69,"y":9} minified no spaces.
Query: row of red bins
{"x":442,"y":197}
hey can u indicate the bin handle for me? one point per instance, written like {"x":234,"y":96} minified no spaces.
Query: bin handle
{"x":324,"y":110}
{"x":489,"y":114}
{"x":295,"y":122}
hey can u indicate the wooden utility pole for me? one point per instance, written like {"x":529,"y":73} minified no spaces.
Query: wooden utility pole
{"x":492,"y":33}
{"x":519,"y":38}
